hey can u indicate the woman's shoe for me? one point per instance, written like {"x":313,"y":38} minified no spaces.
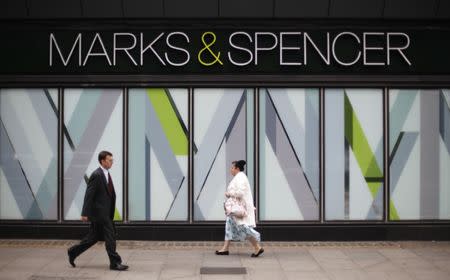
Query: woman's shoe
{"x":259,"y":253}
{"x":222,"y":253}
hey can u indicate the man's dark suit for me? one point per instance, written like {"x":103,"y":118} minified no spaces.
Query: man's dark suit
{"x":99,"y":206}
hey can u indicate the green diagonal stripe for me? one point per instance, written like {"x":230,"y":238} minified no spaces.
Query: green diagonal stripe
{"x":169,"y":121}
{"x":361,"y":148}
{"x":117,"y":216}
{"x":393,"y":215}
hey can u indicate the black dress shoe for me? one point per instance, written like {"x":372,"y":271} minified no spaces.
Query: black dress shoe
{"x":71,"y":258}
{"x":222,"y":253}
{"x":259,"y":253}
{"x":118,"y":267}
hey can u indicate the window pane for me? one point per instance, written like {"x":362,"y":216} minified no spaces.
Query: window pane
{"x":223,"y":132}
{"x":354,"y":154}
{"x":419,"y":149}
{"x":28,"y":154}
{"x":289,"y":154}
{"x":92,"y":122}
{"x":158,"y":154}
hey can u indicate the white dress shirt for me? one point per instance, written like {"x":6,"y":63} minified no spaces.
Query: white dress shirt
{"x":106,"y":172}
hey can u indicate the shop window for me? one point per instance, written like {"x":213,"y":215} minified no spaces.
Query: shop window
{"x":354,"y":160}
{"x":29,"y":154}
{"x":93,"y":121}
{"x":419,"y":154}
{"x":289,"y":154}
{"x":158,"y":144}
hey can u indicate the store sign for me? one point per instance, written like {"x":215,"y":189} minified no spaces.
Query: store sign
{"x":203,"y":48}
{"x":241,"y":49}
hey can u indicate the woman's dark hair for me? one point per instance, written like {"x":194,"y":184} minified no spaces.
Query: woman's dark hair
{"x":239,"y":164}
{"x":102,"y":155}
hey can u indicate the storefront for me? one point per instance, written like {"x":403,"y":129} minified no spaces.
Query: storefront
{"x":345,"y":126}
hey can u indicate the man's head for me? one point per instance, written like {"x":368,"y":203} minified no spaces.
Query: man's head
{"x":105,"y":159}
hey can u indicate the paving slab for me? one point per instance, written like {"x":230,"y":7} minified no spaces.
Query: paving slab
{"x":47,"y":260}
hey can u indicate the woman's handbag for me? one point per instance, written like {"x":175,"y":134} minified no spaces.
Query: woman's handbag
{"x":235,"y":207}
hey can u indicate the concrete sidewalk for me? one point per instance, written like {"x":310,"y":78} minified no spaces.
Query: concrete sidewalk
{"x":47,"y":260}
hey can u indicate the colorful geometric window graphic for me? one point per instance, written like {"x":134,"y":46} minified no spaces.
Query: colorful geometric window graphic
{"x":29,"y":154}
{"x":93,"y":121}
{"x":289,"y":154}
{"x":419,"y":154}
{"x":158,"y":146}
{"x":354,"y":154}
{"x":223,"y":132}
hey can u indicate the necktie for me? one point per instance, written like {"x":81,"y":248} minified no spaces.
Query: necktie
{"x":110,"y":185}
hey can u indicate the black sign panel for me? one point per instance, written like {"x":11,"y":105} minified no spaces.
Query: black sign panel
{"x":227,"y":48}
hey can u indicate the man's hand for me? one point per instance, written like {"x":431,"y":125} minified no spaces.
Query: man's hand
{"x":84,"y":218}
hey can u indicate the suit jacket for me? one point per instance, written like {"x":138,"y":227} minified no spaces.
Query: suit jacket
{"x":98,"y":203}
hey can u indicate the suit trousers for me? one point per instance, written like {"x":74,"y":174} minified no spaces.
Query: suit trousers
{"x":98,"y":230}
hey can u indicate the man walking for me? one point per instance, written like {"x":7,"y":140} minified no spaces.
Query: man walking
{"x":98,"y":208}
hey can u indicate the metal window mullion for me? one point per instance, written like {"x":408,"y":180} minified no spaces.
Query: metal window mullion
{"x":386,"y":155}
{"x":256,"y":151}
{"x":60,"y":154}
{"x":191,"y":154}
{"x":125,"y":157}
{"x":322,"y":152}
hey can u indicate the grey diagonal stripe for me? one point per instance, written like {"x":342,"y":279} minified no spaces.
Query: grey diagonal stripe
{"x":298,"y":136}
{"x":236,"y":136}
{"x":163,"y":152}
{"x":429,"y":154}
{"x":400,"y":158}
{"x":334,"y":154}
{"x":311,"y":164}
{"x":48,"y":119}
{"x":376,"y":210}
{"x":398,"y":114}
{"x":15,"y":176}
{"x":84,"y":109}
{"x":46,"y":116}
{"x":444,"y":120}
{"x":232,"y":146}
{"x":214,"y":136}
{"x":289,"y":163}
{"x":87,"y":145}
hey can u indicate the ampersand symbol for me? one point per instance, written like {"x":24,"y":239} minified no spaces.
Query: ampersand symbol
{"x":207,"y":47}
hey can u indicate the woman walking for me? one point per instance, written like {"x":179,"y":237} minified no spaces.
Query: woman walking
{"x":240,"y":227}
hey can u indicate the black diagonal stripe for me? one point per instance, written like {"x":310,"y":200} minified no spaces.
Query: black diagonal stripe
{"x":21,"y":168}
{"x":397,"y":145}
{"x":56,"y":111}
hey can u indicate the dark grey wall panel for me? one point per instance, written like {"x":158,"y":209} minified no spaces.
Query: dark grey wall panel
{"x":143,"y":8}
{"x":443,"y":10}
{"x":246,"y":8}
{"x":356,"y":8}
{"x":54,"y":8}
{"x":301,"y":8}
{"x":102,"y":8}
{"x":410,"y":8}
{"x":13,"y":8}
{"x":191,"y":8}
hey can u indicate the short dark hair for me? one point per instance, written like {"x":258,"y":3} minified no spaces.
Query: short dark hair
{"x":102,"y":155}
{"x":239,"y":164}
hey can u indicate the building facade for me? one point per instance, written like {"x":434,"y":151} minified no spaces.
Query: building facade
{"x":340,"y":108}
